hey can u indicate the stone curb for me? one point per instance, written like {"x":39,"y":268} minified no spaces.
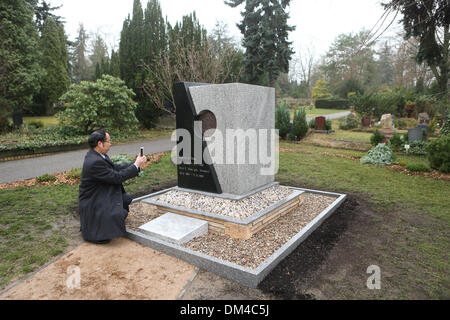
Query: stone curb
{"x":232,"y":271}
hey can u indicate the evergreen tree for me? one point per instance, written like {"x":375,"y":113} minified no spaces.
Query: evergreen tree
{"x":19,"y":58}
{"x":143,"y":39}
{"x":114,"y":65}
{"x":265,"y":31}
{"x":99,"y":56}
{"x":55,"y":62}
{"x":42,"y":11}
{"x":429,"y":22}
{"x":79,"y":59}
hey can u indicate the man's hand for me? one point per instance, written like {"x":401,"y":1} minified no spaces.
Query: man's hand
{"x":140,"y":161}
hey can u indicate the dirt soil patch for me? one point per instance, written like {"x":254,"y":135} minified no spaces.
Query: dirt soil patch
{"x":122,"y":269}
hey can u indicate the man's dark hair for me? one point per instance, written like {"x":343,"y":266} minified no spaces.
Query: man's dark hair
{"x":95,"y":137}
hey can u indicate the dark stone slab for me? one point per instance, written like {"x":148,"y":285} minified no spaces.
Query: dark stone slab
{"x":190,"y":175}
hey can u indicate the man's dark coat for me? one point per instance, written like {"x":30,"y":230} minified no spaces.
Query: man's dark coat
{"x":102,"y":198}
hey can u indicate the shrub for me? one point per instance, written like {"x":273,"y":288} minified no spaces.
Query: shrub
{"x":405,"y":123}
{"x":299,"y":125}
{"x":312,"y":123}
{"x":377,"y":104}
{"x":106,"y":103}
{"x":380,"y":155}
{"x":121,"y":159}
{"x":403,"y":163}
{"x":439,"y":154}
{"x":328,"y":124}
{"x":376,"y":138}
{"x":418,"y":148}
{"x":332,"y":104}
{"x":419,"y":166}
{"x":432,"y":126}
{"x":446,"y":127}
{"x":396,"y":142}
{"x":46,"y":178}
{"x":74,"y":173}
{"x":282,"y":120}
{"x":349,"y":122}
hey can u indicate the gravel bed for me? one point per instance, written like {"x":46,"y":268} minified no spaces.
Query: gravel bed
{"x":247,"y":253}
{"x":239,"y":209}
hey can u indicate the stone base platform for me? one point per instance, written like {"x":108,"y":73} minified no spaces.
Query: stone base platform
{"x":244,"y":275}
{"x":235,"y":228}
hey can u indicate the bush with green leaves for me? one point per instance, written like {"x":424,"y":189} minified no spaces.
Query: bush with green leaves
{"x":445,"y":130}
{"x":312,"y":123}
{"x":381,"y":155}
{"x":282,"y":120}
{"x":418,"y":166}
{"x":299,"y":125}
{"x":417,"y":148}
{"x":328,"y":125}
{"x":377,"y":104}
{"x":396,"y":142}
{"x":106,"y":103}
{"x":349,"y":122}
{"x":376,"y":138}
{"x":121,"y":159}
{"x":439,"y":153}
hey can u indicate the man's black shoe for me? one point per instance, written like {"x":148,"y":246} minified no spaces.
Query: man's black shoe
{"x":100,"y":241}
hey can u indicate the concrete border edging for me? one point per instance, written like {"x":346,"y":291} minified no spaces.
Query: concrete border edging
{"x":232,"y":271}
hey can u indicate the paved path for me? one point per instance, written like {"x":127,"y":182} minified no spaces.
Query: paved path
{"x":34,"y":167}
{"x":11,"y":171}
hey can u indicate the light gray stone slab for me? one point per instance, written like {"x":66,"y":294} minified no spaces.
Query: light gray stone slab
{"x":175,"y":228}
{"x":245,"y":107}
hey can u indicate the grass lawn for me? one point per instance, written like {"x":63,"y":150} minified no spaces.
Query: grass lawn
{"x":47,"y":121}
{"x":314,"y":112}
{"x":40,"y":222}
{"x":406,"y":232}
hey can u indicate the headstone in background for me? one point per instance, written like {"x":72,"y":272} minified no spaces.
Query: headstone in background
{"x":320,"y":123}
{"x":365,"y":121}
{"x":222,"y":107}
{"x":386,"y":121}
{"x":415,"y":134}
{"x":423,"y":118}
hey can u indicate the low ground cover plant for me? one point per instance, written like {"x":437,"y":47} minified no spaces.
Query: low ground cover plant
{"x":418,"y":166}
{"x":381,"y":155}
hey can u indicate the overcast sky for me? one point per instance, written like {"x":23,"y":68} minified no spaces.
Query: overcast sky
{"x":317,"y":22}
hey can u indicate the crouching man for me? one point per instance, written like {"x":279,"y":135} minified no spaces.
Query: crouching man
{"x":103,"y":202}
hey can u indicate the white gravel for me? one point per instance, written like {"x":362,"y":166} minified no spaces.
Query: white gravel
{"x":239,"y":209}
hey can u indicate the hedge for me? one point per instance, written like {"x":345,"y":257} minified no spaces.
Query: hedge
{"x":332,"y":104}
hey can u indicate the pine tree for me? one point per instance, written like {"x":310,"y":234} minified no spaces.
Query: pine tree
{"x":79,"y":57}
{"x":55,"y":62}
{"x":143,"y":39}
{"x":19,"y":58}
{"x":265,"y":31}
{"x":429,"y":22}
{"x":99,"y":56}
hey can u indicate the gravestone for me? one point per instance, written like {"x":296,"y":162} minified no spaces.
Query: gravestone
{"x":423,"y":118}
{"x":235,"y":108}
{"x":320,"y":123}
{"x":386,"y":121}
{"x":365,"y":121}
{"x":415,"y":134}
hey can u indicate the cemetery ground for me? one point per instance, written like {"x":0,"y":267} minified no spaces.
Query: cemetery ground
{"x":392,"y":219}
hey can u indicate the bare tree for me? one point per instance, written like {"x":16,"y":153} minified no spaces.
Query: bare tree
{"x":190,"y":64}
